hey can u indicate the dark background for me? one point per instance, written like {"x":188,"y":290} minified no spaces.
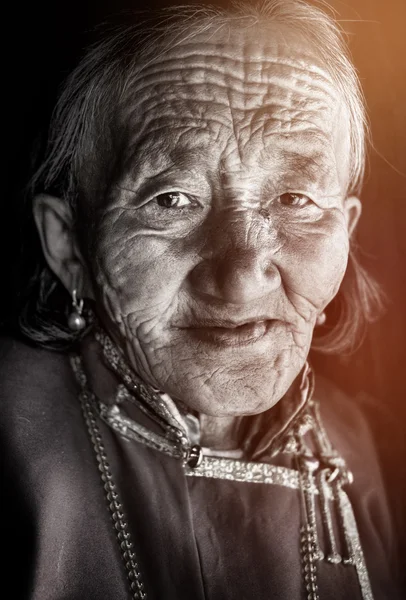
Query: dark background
{"x":44,"y":41}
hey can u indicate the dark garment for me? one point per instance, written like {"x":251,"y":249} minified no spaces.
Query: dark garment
{"x":195,"y":538}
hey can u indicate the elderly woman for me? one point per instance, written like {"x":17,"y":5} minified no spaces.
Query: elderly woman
{"x":195,"y":211}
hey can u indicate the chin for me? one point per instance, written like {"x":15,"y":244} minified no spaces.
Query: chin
{"x":222,"y":396}
{"x":232,"y":409}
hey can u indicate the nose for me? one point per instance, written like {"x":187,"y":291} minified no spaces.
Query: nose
{"x":238,"y":265}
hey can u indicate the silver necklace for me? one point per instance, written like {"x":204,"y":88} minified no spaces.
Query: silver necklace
{"x":87,"y":400}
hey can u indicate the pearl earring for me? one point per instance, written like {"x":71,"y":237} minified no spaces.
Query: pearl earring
{"x":321,"y":319}
{"x":76,"y":321}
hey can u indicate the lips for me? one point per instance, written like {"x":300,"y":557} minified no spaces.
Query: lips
{"x":231,"y":334}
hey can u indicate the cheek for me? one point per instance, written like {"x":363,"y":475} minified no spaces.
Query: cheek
{"x":316,"y":256}
{"x":137,"y":271}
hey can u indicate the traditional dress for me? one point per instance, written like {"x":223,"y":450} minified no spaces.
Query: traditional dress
{"x":119,"y":500}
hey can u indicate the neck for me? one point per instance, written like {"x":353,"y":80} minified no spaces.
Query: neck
{"x":219,"y":433}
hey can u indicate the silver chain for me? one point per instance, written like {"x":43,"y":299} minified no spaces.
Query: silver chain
{"x":308,"y":551}
{"x":115,"y":506}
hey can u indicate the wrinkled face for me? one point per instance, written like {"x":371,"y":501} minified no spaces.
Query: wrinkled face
{"x":226,"y":234}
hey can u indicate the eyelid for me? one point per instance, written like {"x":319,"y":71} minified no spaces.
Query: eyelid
{"x":310,"y":196}
{"x":296,"y":193}
{"x":177,"y":193}
{"x":151,"y":197}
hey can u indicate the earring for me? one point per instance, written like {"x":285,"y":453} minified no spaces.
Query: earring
{"x":76,"y":321}
{"x":321,"y":319}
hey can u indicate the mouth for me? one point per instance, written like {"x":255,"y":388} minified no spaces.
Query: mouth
{"x":231,"y":334}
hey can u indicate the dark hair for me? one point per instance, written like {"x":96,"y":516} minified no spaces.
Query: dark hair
{"x":86,"y":132}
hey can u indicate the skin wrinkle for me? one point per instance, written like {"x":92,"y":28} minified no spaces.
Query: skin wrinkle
{"x":216,"y":58}
{"x":169,"y":106}
{"x":234,"y":135}
{"x":249,"y":90}
{"x":146,"y":152}
{"x":239,"y":254}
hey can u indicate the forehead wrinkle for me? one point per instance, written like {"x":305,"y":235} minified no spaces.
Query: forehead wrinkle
{"x":213,"y":85}
{"x":279,"y":122}
{"x":242,"y":47}
{"x":272,"y":101}
{"x":250,"y":74}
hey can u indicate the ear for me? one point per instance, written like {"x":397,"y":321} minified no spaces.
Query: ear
{"x":54,"y":221}
{"x":352,"y":211}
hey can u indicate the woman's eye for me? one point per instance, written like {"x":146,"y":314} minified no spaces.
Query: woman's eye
{"x":295,"y":200}
{"x":172,"y":200}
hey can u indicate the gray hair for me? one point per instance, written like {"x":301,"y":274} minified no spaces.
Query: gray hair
{"x":86,"y":140}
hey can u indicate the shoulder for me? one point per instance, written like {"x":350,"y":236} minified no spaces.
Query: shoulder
{"x":23,"y":365}
{"x":34,"y":384}
{"x":40,"y":416}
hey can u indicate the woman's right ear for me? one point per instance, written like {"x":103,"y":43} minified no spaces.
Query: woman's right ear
{"x":55,"y":224}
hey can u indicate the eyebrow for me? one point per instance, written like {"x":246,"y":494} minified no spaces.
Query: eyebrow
{"x":308,"y":165}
